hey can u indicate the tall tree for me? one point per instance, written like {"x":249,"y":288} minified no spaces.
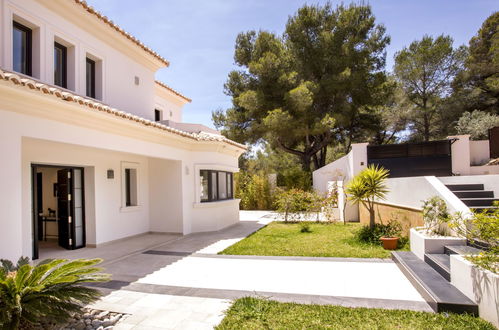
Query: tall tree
{"x":425,"y":71}
{"x":477,"y":87}
{"x":317,"y":83}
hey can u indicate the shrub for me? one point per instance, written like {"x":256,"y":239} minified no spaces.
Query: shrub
{"x":435,"y":216}
{"x":305,"y":227}
{"x":50,"y":292}
{"x":482,"y":227}
{"x":254,"y":190}
{"x":372,"y":235}
{"x":291,"y":203}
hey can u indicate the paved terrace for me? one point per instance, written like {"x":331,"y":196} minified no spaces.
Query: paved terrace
{"x":173,"y":281}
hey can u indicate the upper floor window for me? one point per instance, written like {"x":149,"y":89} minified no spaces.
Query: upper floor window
{"x":90,"y":77}
{"x":60,"y":65}
{"x":157,"y":115}
{"x":22,"y":45}
{"x":216,"y":185}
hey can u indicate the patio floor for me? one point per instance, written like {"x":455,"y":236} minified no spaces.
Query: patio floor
{"x":171,"y":281}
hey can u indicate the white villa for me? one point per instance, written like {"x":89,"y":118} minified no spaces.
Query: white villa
{"x":93,"y":148}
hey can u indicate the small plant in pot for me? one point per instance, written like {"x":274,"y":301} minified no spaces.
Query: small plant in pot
{"x":391,"y":235}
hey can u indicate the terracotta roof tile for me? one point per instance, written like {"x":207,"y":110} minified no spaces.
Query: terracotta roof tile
{"x":97,"y":106}
{"x":162,"y":84}
{"x":130,"y":37}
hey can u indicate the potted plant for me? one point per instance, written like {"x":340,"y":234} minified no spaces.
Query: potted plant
{"x":434,"y":235}
{"x":391,"y":235}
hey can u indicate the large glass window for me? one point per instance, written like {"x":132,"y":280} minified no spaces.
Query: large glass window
{"x":215,"y":185}
{"x":60,"y":65}
{"x":21,"y":49}
{"x":90,"y":77}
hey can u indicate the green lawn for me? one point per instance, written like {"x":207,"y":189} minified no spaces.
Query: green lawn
{"x":325,"y":240}
{"x":252,"y":313}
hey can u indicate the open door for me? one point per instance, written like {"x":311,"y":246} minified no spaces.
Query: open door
{"x":64,"y":207}
{"x":70,"y":207}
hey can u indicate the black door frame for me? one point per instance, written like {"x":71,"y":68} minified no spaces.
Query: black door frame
{"x":34,"y":205}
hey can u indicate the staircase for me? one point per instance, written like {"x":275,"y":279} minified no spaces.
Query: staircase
{"x":473,"y":195}
{"x":431,"y":278}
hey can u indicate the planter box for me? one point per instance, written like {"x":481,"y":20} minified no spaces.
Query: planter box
{"x":422,"y":244}
{"x":480,"y":285}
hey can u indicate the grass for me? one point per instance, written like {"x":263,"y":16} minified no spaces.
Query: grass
{"x":324,"y":240}
{"x":253,"y":313}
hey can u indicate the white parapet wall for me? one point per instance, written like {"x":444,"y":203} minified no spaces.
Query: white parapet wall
{"x":412,"y":191}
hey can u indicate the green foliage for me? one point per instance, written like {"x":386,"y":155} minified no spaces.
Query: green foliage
{"x":425,"y":70}
{"x":372,"y":235}
{"x":48,"y":292}
{"x":318,"y":82}
{"x":481,"y":227}
{"x":305,"y":227}
{"x":435,"y":216}
{"x":477,"y":87}
{"x":254,"y":190}
{"x":292,"y":203}
{"x":477,"y":124}
{"x":368,"y":186}
{"x":253,"y":313}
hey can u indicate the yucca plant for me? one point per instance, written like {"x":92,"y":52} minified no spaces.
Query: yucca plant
{"x":49,"y":292}
{"x":366,"y":187}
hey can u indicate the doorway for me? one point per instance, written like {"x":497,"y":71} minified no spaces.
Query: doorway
{"x":58,"y":208}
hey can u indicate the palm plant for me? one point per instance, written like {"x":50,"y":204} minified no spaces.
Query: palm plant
{"x":368,"y":186}
{"x":48,"y":292}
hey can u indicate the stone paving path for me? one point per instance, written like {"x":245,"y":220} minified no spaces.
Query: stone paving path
{"x":184,"y":284}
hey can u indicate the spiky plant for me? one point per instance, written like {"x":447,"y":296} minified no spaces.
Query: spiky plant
{"x":366,"y":187}
{"x":48,"y":292}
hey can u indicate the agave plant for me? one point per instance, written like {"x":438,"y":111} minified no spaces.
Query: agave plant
{"x":48,"y":292}
{"x":368,"y":186}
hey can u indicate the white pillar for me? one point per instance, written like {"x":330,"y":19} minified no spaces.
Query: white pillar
{"x":460,"y":150}
{"x":11,"y":242}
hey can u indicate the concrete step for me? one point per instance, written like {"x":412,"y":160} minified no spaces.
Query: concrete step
{"x":474,"y":194}
{"x":475,"y":202}
{"x":465,"y":186}
{"x":461,"y":249}
{"x":437,"y":291}
{"x":439,"y":262}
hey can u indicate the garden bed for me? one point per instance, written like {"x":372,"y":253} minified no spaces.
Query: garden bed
{"x":324,"y":240}
{"x":253,"y":313}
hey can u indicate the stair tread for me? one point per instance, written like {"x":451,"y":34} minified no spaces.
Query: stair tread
{"x":438,"y":292}
{"x":442,"y":259}
{"x":462,"y":249}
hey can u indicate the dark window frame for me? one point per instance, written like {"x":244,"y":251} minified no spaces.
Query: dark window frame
{"x":64,"y":65}
{"x":128,"y":187}
{"x":157,"y":115}
{"x":28,"y":52}
{"x":229,"y":181}
{"x":90,"y":92}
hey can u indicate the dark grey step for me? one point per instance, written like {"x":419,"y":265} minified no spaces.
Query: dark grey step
{"x":461,"y":249}
{"x":438,"y":292}
{"x":465,"y":186}
{"x":472,"y":202}
{"x":439,"y":262}
{"x":474,"y":194}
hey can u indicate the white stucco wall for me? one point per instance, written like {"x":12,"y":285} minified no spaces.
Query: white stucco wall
{"x":479,"y":152}
{"x":118,"y":84}
{"x":165,"y":193}
{"x":36,"y":139}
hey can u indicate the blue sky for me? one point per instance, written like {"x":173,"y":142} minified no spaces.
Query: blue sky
{"x":197,"y":36}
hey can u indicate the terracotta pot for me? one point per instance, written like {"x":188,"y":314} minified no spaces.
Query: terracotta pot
{"x":389,"y":243}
